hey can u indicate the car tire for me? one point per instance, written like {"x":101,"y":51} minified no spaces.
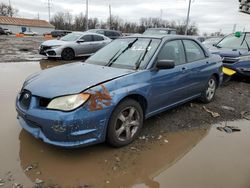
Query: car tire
{"x":125,"y":123}
{"x":68,"y":54}
{"x":209,"y":92}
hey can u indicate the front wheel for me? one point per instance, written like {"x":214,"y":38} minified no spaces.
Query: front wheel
{"x":125,"y":123}
{"x":68,"y":54}
{"x":210,"y":90}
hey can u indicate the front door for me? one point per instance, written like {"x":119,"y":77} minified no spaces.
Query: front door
{"x":169,"y":85}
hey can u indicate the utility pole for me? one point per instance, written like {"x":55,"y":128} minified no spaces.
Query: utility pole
{"x":188,"y":13}
{"x":161,"y":14}
{"x":87,"y":15}
{"x":234,"y":27}
{"x":110,"y":17}
{"x":38,"y":16}
{"x":49,"y":7}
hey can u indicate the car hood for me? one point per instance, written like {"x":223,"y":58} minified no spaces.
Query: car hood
{"x":226,"y":52}
{"x":54,"y":42}
{"x":70,"y":79}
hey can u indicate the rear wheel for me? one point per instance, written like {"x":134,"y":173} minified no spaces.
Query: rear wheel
{"x":125,"y":123}
{"x":68,"y":54}
{"x":210,"y":90}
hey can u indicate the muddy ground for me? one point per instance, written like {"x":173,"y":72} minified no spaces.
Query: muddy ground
{"x":177,"y":148}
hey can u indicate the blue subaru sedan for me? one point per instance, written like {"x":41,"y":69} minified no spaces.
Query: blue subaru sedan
{"x":108,"y":97}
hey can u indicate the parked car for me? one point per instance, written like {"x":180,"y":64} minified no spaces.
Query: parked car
{"x":112,"y":34}
{"x":29,"y":33}
{"x":2,"y":32}
{"x":199,"y":38}
{"x":108,"y":96}
{"x":60,"y":33}
{"x":211,"y":41}
{"x":235,"y":52}
{"x":73,"y":45}
{"x":160,"y":31}
{"x":7,"y":31}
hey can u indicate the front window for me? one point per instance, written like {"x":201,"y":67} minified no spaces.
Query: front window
{"x":235,"y":42}
{"x":131,"y":53}
{"x":71,"y":37}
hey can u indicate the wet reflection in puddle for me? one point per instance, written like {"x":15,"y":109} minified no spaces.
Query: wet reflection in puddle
{"x":100,"y":165}
{"x":49,"y":63}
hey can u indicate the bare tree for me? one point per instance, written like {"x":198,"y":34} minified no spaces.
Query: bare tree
{"x":66,"y":21}
{"x":7,"y":10}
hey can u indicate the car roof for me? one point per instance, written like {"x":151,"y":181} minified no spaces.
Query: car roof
{"x":162,"y":37}
{"x":161,"y":28}
{"x":104,"y":30}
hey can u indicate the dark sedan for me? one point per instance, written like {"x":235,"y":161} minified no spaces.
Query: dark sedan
{"x":235,"y":52}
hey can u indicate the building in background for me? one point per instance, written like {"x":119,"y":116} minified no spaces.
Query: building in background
{"x":244,"y":6}
{"x":17,"y":25}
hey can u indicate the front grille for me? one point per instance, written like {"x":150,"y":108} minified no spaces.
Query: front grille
{"x":25,"y":99}
{"x":44,"y":48}
{"x":230,"y":60}
{"x":43,"y":102}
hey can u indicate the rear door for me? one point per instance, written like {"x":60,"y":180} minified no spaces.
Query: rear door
{"x":86,"y":47}
{"x":197,"y":65}
{"x":98,"y":43}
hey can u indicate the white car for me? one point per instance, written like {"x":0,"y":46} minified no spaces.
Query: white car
{"x":74,"y":45}
{"x":30,"y":33}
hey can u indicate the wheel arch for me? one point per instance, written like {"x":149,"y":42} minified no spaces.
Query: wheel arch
{"x":217,"y":79}
{"x":67,"y":47}
{"x":138,"y":98}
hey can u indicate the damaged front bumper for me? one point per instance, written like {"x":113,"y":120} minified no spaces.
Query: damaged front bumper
{"x":65,"y":129}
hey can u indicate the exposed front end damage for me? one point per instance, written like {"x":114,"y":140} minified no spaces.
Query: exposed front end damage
{"x":84,"y":126}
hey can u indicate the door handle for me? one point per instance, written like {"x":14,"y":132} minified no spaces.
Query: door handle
{"x":184,"y":69}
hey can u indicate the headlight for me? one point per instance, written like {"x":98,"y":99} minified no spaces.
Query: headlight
{"x":68,"y":103}
{"x":57,"y":46}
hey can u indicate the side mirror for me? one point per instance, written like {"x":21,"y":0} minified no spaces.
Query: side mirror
{"x":165,"y":64}
{"x":80,"y":41}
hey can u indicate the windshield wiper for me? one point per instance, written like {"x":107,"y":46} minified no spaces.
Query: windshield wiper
{"x":114,"y":58}
{"x":244,"y":39}
{"x":138,"y":63}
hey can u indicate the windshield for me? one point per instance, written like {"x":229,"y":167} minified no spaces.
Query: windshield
{"x":233,"y":42}
{"x":159,"y":32}
{"x":71,"y":37}
{"x":131,"y":53}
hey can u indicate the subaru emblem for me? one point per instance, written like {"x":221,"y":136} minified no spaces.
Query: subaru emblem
{"x":26,"y":95}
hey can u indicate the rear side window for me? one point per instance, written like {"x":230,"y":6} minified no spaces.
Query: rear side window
{"x":193,"y":50}
{"x":109,"y":33}
{"x":100,"y":32}
{"x":173,"y":50}
{"x":98,"y":38}
{"x":87,"y":38}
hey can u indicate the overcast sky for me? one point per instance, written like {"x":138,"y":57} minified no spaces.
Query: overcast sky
{"x":209,"y":15}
